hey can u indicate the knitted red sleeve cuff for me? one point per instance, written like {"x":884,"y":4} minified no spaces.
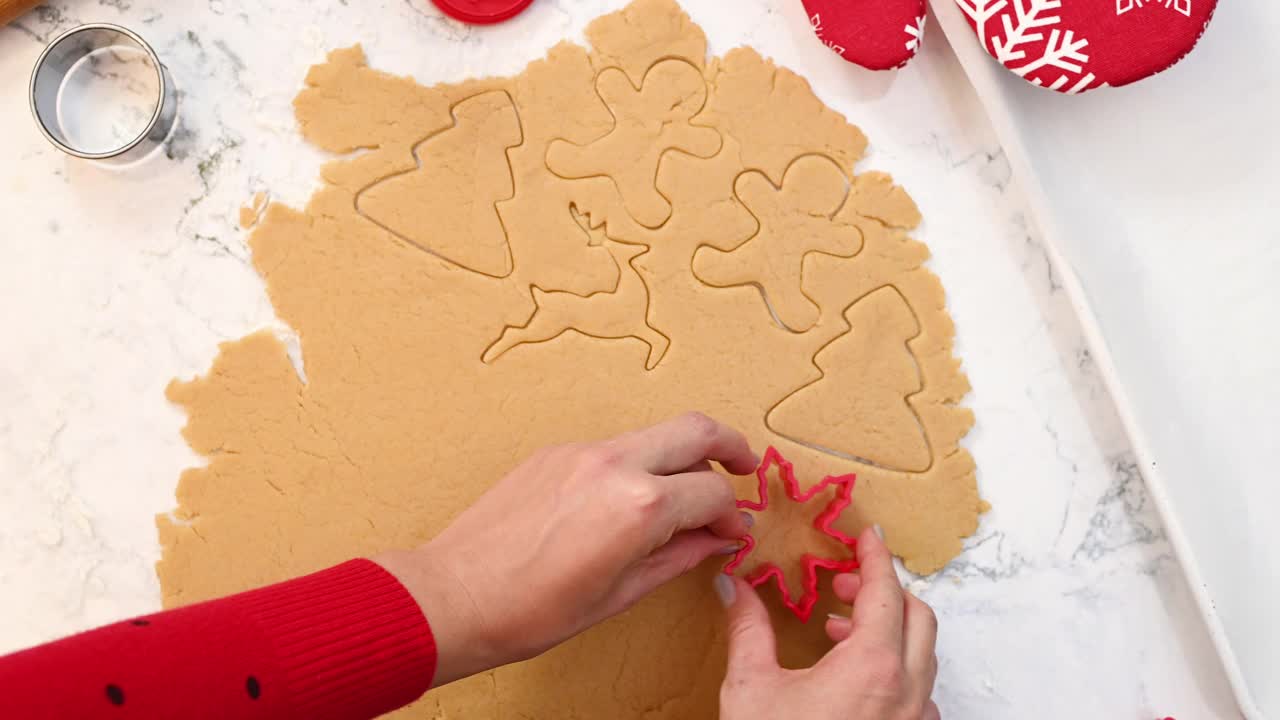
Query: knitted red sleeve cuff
{"x":344,"y":643}
{"x":348,"y":642}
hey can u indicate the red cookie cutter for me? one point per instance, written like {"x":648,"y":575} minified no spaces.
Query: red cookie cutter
{"x":482,"y":12}
{"x":803,"y":607}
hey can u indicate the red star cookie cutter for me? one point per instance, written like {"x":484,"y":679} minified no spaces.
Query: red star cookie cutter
{"x":843,"y":484}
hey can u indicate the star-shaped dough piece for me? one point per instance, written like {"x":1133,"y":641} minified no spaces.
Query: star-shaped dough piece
{"x":842,"y":485}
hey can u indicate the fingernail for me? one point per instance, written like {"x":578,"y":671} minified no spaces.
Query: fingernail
{"x":747,"y":518}
{"x":838,"y":616}
{"x":729,"y":549}
{"x":879,"y":531}
{"x":724,"y":589}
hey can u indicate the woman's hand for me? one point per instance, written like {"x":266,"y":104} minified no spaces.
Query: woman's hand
{"x":881,"y":668}
{"x":574,"y":535}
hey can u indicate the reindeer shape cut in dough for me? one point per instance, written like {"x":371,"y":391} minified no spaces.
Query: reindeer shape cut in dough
{"x":795,"y":219}
{"x":648,"y":121}
{"x":615,"y":315}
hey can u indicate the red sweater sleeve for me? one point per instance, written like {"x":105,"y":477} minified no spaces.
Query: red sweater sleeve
{"x":344,"y":643}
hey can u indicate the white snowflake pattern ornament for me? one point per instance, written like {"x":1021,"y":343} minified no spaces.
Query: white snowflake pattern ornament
{"x":915,"y":34}
{"x":1076,"y":45}
{"x":869,"y":32}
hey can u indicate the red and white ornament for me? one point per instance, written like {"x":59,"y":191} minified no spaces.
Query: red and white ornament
{"x":876,"y":34}
{"x":1076,"y":45}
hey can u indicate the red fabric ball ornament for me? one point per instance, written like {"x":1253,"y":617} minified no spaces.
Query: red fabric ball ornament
{"x":876,"y":34}
{"x":482,"y":12}
{"x":1077,"y":45}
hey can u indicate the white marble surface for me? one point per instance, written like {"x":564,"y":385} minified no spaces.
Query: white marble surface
{"x":1066,"y":604}
{"x":1192,"y":411}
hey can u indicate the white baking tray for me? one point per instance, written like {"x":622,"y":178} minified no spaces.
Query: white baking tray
{"x":1160,"y":207}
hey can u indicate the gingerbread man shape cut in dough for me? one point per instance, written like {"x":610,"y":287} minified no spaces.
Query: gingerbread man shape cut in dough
{"x":795,"y":219}
{"x":648,"y":121}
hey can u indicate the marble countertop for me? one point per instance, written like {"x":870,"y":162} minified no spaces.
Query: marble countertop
{"x":1068,"y":601}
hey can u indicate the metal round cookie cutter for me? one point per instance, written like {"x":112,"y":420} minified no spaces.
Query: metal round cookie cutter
{"x":56,"y":63}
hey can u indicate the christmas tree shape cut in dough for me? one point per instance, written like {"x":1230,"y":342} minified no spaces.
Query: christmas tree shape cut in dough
{"x":795,"y":219}
{"x":858,"y":408}
{"x":455,"y":219}
{"x":648,"y":121}
{"x":617,"y":314}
